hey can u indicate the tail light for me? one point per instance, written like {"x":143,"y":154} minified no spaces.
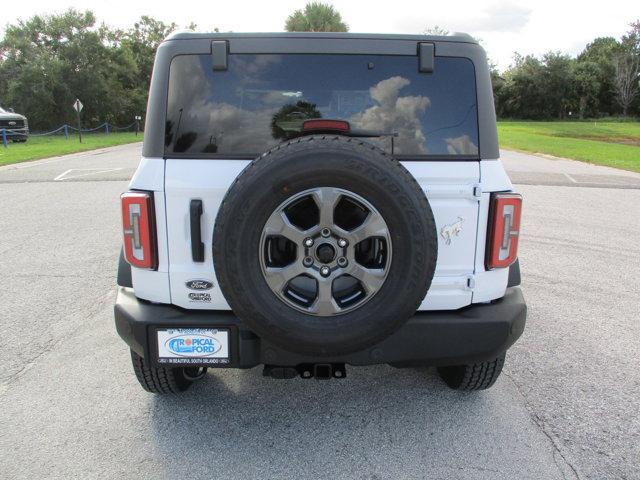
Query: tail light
{"x":504,"y":230}
{"x":138,"y":229}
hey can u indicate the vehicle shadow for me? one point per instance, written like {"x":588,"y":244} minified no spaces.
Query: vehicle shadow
{"x":240,"y":424}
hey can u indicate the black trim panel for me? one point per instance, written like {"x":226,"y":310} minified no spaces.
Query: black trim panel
{"x":472,"y":334}
{"x":248,"y":156}
{"x":197,"y":246}
{"x":352,"y":46}
{"x":219,"y":52}
{"x":124,"y":272}
{"x":514,"y":274}
{"x":426,"y":54}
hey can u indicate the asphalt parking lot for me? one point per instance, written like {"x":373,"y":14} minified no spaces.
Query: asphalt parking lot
{"x":567,"y":406}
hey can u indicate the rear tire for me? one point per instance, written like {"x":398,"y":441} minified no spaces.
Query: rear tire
{"x":474,"y":376}
{"x":164,"y":380}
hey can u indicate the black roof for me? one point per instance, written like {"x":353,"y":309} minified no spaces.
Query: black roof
{"x":456,"y":37}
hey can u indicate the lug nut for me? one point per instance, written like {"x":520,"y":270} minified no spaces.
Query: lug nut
{"x":325,"y":271}
{"x":342,"y":262}
{"x":307,"y":262}
{"x":342,"y":243}
{"x":325,"y":232}
{"x":308,"y":242}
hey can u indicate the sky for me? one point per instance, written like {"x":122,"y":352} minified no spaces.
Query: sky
{"x":503,"y":26}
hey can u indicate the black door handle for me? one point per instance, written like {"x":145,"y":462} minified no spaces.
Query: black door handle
{"x":197,"y":247}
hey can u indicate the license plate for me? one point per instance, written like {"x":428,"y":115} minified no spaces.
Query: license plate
{"x":193,"y":346}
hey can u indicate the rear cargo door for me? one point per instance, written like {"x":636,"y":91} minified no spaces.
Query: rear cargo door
{"x":220,"y":115}
{"x":451,"y":188}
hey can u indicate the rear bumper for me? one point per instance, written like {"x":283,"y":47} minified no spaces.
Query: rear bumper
{"x":472,"y":334}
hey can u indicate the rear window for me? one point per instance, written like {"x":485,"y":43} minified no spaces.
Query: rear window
{"x":262,"y":100}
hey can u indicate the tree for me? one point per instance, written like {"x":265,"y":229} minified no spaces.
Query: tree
{"x":587,"y":88}
{"x":46,"y":62}
{"x":287,"y":122}
{"x":316,"y":17}
{"x":627,"y":69}
{"x":143,"y":40}
{"x":557,"y":84}
{"x":141,"y":43}
{"x":601,"y":52}
{"x":522,"y":93}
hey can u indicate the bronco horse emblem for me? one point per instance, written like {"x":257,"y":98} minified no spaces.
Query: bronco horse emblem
{"x":452,"y":230}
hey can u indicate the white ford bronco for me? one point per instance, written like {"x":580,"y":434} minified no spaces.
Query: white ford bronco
{"x":314,"y":200}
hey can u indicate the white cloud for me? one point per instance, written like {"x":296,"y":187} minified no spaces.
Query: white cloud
{"x":461,"y":146}
{"x":395,"y":114}
{"x":499,"y":17}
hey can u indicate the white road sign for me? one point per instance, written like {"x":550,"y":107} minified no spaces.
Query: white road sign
{"x":77,"y":105}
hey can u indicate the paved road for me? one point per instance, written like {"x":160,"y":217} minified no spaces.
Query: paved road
{"x":567,"y":406}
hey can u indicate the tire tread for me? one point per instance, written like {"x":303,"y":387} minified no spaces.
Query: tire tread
{"x":474,"y":376}
{"x":159,"y":380}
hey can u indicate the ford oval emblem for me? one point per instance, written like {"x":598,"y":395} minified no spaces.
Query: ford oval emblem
{"x":199,"y":285}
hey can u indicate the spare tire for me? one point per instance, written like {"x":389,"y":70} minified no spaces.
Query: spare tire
{"x":325,"y":245}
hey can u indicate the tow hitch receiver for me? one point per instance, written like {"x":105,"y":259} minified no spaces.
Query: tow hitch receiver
{"x":319,"y":371}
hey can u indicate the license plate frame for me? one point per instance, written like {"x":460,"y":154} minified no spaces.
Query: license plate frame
{"x":193,"y":346}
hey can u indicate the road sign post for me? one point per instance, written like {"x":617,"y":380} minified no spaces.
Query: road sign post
{"x":138,"y":118}
{"x":77,"y":106}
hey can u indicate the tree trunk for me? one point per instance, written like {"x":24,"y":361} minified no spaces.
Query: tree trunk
{"x":583,"y":106}
{"x":627,"y":71}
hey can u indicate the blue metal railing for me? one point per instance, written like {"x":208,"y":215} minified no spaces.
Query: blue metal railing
{"x":6,"y":133}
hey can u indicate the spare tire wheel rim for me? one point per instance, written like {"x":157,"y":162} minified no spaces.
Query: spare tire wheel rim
{"x":325,"y":251}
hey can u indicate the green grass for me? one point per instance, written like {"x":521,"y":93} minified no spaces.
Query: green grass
{"x":614,"y":144}
{"x":44,"y":147}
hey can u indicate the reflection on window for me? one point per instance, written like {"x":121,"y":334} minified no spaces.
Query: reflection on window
{"x":262,"y":100}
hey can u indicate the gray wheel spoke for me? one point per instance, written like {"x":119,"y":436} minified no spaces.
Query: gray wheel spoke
{"x":373,"y":226}
{"x":326,"y":198}
{"x":370,"y":278}
{"x":319,"y":252}
{"x":324,"y":303}
{"x":279,"y":224}
{"x":277,"y":278}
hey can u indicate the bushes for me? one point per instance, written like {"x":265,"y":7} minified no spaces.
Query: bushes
{"x":557,"y":86}
{"x":47,"y":62}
